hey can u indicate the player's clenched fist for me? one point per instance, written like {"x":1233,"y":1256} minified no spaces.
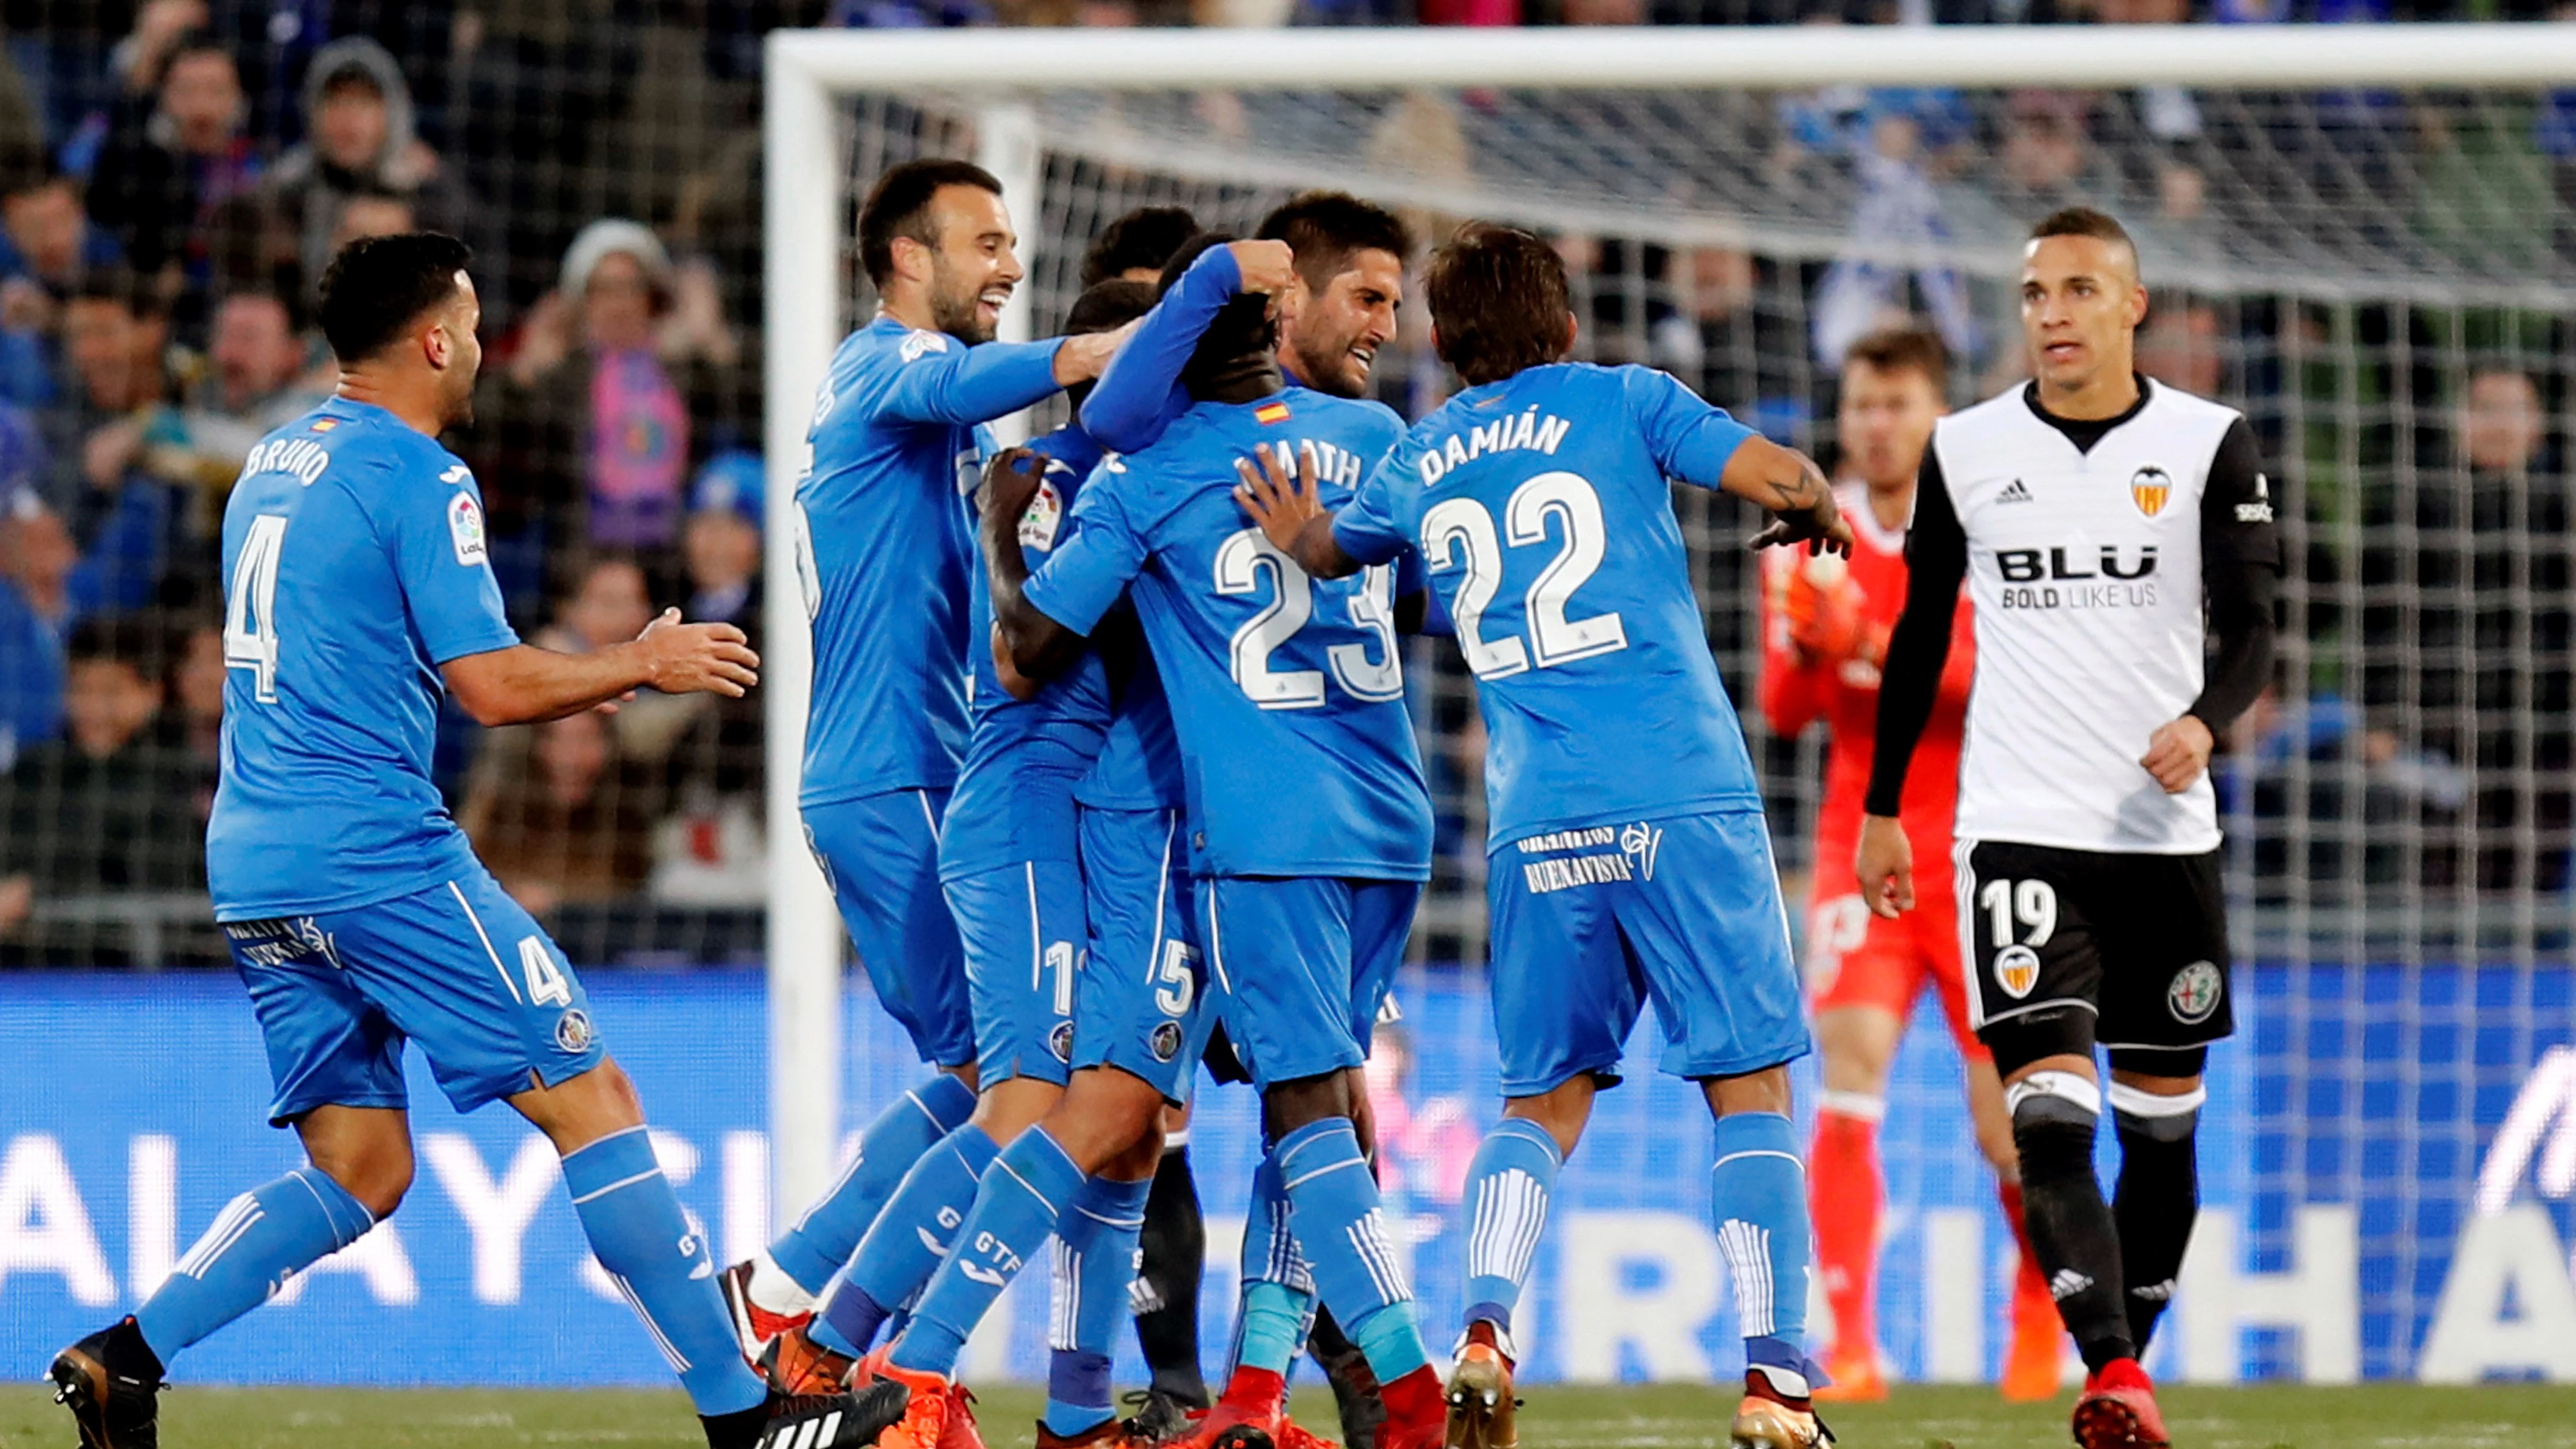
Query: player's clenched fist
{"x":2178,"y":752}
{"x":1267,"y":266}
{"x":697,"y":658}
{"x":1886,"y":866}
{"x":1011,"y":482}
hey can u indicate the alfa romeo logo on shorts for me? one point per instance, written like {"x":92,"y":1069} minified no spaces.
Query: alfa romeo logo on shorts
{"x":2194,"y":993}
{"x":572,"y":1030}
{"x":1166,"y":1040}
{"x":1060,"y":1041}
{"x":2016,"y":970}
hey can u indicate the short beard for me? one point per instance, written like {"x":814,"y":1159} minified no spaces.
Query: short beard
{"x":1328,"y":372}
{"x":957,"y":316}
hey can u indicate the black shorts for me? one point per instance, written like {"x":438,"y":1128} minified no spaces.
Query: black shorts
{"x":2070,"y":948}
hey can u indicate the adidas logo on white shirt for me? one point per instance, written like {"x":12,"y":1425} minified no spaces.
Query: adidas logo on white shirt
{"x":2014,"y":492}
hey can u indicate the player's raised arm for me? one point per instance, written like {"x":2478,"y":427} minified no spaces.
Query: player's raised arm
{"x":524,"y":684}
{"x":1140,"y":391}
{"x":1031,"y":644}
{"x":1936,"y":561}
{"x":1700,"y":444}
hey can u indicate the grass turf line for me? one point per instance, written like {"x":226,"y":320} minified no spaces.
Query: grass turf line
{"x":2519,"y":1416}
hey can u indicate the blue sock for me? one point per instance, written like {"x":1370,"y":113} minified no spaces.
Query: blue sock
{"x":1025,"y":1190}
{"x":661,"y":1262}
{"x":258,"y":1240}
{"x":1759,"y":1192}
{"x":1333,"y":1207}
{"x":903,"y":1247}
{"x":1278,"y":1303}
{"x":1095,"y":1265}
{"x":821,"y":1241}
{"x":1506,"y":1200}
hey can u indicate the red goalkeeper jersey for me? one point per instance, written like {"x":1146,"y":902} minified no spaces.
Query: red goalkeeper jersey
{"x":1854,"y":608}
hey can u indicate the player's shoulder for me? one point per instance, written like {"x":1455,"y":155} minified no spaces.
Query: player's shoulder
{"x":1361,"y":417}
{"x":2190,"y":413}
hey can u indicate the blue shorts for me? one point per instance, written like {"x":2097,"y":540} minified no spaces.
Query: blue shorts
{"x":1025,"y":930}
{"x":1588,"y":924}
{"x":1301,"y":965}
{"x":881,"y":854}
{"x":1142,"y":1005}
{"x":458,"y":968}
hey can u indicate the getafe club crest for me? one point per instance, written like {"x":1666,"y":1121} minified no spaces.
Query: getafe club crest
{"x":2149,"y":487}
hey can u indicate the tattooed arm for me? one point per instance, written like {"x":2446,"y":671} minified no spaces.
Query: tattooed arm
{"x":1788,"y":483}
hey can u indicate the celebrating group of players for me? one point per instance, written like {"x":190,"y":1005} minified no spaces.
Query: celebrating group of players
{"x":1109,"y":752}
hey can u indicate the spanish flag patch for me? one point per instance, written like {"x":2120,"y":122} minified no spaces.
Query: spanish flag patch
{"x":324,"y":425}
{"x":1271,"y":412}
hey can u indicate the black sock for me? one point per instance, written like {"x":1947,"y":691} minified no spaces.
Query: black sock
{"x":1173,"y":1250}
{"x":2156,"y":1202}
{"x":2071,"y":1228}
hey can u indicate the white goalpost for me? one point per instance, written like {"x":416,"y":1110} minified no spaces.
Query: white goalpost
{"x":998,"y":82}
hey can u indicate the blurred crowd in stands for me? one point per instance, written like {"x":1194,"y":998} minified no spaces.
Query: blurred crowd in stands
{"x":174,"y":175}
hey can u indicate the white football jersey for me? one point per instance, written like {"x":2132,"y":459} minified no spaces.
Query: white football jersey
{"x":2085,"y":570}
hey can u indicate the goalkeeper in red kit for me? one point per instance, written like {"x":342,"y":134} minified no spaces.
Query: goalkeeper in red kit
{"x":1825,"y":628}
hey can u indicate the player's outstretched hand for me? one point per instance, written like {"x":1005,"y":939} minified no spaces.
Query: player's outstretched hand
{"x":1280,"y":504}
{"x":1886,"y":866}
{"x":1011,"y":482}
{"x":1267,"y":266}
{"x":2177,"y":753}
{"x":1084,"y":357}
{"x":697,"y":658}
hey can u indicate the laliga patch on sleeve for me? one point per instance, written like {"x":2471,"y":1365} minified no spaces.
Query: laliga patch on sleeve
{"x":465,"y":528}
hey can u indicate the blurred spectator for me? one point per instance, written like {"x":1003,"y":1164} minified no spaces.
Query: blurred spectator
{"x":37,"y":557}
{"x":591,"y":421}
{"x":197,"y":713}
{"x":47,"y":244}
{"x":552,"y":811}
{"x":106,"y":808}
{"x":2047,"y":150}
{"x":359,"y":140}
{"x":2466,"y":632}
{"x":2184,"y":344}
{"x":609,"y":601}
{"x":713,"y":850}
{"x":260,"y":375}
{"x":2356,"y":793}
{"x":374,"y":211}
{"x":172,"y":158}
{"x":115,"y":333}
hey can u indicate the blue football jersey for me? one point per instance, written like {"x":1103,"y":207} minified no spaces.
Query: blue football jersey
{"x":885,"y":542}
{"x":354,"y":566}
{"x":1287,"y":694}
{"x":1015,"y":790}
{"x":1140,"y":762}
{"x":1540,"y":506}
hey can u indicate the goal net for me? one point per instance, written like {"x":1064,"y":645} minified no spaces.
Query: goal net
{"x":2357,"y":235}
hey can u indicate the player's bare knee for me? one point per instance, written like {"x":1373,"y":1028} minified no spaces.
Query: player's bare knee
{"x":1857,"y":1044}
{"x":1288,"y":1106}
{"x":378,"y":1173}
{"x":1009,"y":1108}
{"x":1104,"y":1116}
{"x":1766,"y":1090}
{"x":1561,"y":1111}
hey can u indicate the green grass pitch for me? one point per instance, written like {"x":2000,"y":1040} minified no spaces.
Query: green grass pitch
{"x":1661,"y":1417}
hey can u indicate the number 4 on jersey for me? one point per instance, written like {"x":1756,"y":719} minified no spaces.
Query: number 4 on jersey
{"x":250,"y":616}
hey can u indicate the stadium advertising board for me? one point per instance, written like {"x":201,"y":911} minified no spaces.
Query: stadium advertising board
{"x":2388,"y":1162}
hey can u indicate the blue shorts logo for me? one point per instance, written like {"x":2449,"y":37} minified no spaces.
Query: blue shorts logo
{"x":1166,"y":1040}
{"x":572,"y":1030}
{"x":1060,"y":1041}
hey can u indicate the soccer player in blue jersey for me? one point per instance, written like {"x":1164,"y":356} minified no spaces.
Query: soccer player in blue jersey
{"x":1538,"y":499}
{"x":884,"y":547}
{"x":1304,"y":897}
{"x":358,"y":592}
{"x":1335,"y":314}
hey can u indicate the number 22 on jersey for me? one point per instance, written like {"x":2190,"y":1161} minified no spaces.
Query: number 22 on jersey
{"x":1462,"y":525}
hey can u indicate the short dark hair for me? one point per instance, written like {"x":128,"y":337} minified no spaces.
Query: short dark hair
{"x":1243,"y":326}
{"x":899,"y":206}
{"x":2083,"y":221}
{"x":1107,"y":306}
{"x":1905,"y":349}
{"x":1143,"y":238}
{"x":126,"y":288}
{"x":1499,"y":302}
{"x":378,"y":286}
{"x":139,"y":642}
{"x":1324,"y":228}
